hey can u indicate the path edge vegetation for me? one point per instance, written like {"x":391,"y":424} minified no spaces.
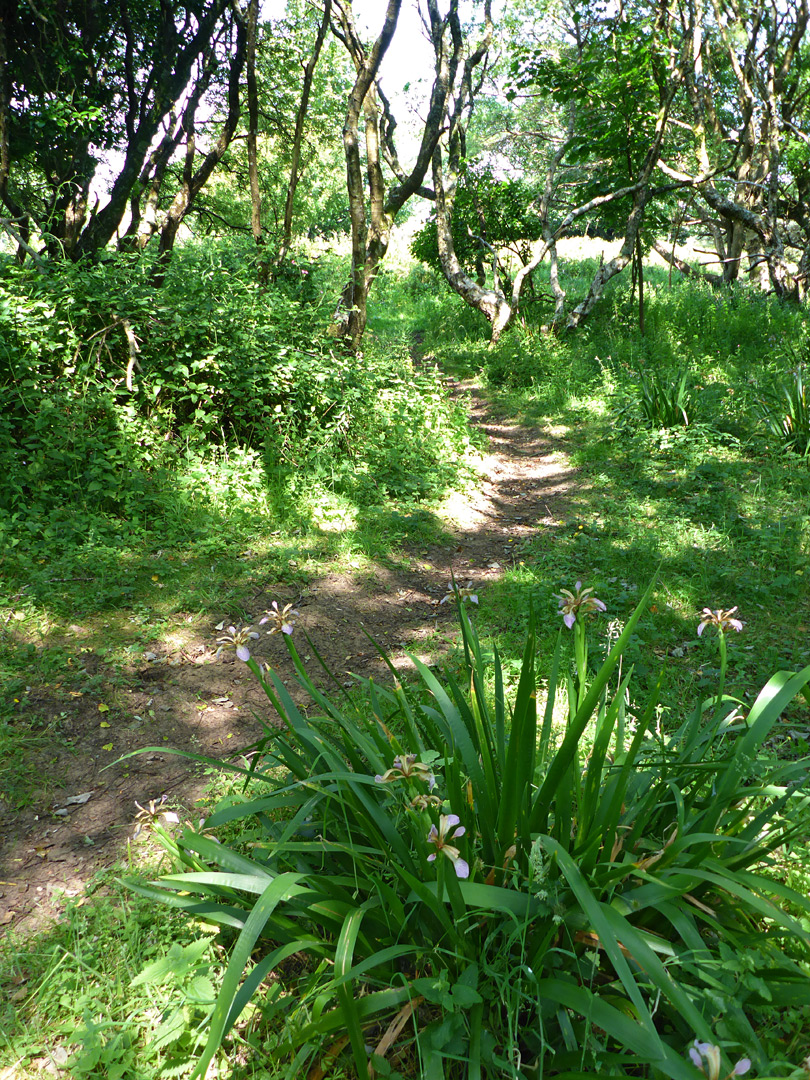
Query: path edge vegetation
{"x":533,"y":850}
{"x":211,"y":381}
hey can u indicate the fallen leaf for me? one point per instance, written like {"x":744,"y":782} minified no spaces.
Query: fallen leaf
{"x":103,"y":724}
{"x":80,"y":800}
{"x":107,"y":746}
{"x":104,"y":708}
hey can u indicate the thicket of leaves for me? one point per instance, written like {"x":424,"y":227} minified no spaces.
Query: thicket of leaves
{"x":488,"y":213}
{"x":221,"y":362}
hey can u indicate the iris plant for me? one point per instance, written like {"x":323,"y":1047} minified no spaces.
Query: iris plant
{"x":574,"y":608}
{"x":575,"y":605}
{"x":722,"y":621}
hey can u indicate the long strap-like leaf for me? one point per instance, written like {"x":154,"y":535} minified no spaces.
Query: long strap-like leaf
{"x":276,"y":892}
{"x":564,"y":757}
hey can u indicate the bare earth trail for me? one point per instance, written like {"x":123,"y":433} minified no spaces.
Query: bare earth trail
{"x":185,"y":698}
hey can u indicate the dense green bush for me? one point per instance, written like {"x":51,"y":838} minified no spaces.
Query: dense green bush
{"x":523,"y":906}
{"x":113,"y":392}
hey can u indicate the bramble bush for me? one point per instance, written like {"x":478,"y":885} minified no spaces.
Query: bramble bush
{"x":468,"y":893}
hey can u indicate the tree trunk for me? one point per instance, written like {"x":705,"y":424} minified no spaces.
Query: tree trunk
{"x":371,"y":233}
{"x":194,"y":181}
{"x":170,"y":79}
{"x":355,"y":295}
{"x":298,"y":136}
{"x":610,"y":269}
{"x":490,"y":302}
{"x":253,"y":124}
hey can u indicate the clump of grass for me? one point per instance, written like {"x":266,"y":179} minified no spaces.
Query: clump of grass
{"x":785,"y":411}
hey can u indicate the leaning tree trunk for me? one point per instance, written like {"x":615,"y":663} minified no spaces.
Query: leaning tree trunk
{"x":195,"y":180}
{"x":490,"y":302}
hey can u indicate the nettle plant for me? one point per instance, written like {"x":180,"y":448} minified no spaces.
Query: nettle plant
{"x":468,"y":894}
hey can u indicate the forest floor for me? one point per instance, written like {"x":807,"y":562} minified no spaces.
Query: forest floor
{"x":186,"y":698}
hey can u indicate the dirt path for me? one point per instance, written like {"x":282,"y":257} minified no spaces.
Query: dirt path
{"x":183,"y":697}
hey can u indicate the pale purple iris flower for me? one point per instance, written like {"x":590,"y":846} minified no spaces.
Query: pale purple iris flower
{"x":282,"y":618}
{"x":440,"y":837}
{"x":579,"y":603}
{"x":238,"y":640}
{"x":406,"y":767}
{"x":465,"y":592}
{"x":721,"y":619}
{"x":706,"y":1057}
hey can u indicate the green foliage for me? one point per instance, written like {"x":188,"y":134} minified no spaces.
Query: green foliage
{"x":228,"y":374}
{"x":75,"y":988}
{"x":321,"y":208}
{"x":610,"y":72}
{"x":496,"y":211}
{"x":785,"y":411}
{"x":576,"y":914}
{"x":665,"y":399}
{"x":103,"y":1050}
{"x":525,"y":359}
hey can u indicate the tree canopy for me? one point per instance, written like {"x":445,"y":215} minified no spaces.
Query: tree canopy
{"x":119,"y":122}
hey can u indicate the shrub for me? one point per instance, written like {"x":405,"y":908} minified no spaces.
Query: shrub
{"x":481,"y":900}
{"x":665,"y":399}
{"x":223,"y":365}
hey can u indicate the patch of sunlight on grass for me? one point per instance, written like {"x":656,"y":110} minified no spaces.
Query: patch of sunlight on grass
{"x":333,"y":513}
